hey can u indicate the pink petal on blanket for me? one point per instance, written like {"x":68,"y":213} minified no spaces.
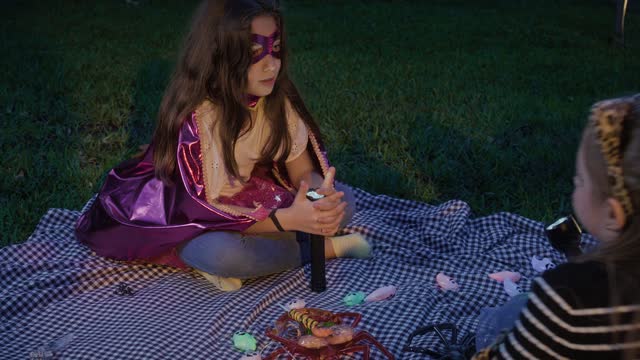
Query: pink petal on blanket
{"x":500,"y":276}
{"x":446,"y":283}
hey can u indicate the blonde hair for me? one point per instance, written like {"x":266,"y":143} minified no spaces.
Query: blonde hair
{"x":627,"y":248}
{"x":622,"y":256}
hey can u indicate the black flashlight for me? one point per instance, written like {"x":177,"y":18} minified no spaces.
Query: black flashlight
{"x":318,"y":276}
{"x":565,"y":235}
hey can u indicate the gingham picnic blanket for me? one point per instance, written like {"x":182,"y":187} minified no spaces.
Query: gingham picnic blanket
{"x":60,"y":301}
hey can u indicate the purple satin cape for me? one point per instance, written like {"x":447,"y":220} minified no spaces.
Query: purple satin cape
{"x":138,"y":217}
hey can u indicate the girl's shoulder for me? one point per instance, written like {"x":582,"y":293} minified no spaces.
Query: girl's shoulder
{"x":205,"y":114}
{"x":577,"y":273}
{"x":584,"y":285}
{"x":206,"y":108}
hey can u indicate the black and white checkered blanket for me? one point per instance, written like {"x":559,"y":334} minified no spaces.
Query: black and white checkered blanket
{"x":58,"y":300}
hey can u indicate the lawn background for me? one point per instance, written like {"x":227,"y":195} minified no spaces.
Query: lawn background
{"x":429,"y":100}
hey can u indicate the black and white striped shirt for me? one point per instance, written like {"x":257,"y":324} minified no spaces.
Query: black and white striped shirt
{"x":569,"y":316}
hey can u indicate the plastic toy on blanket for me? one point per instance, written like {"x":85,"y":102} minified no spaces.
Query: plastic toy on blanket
{"x":541,"y":265}
{"x":358,"y":297}
{"x":446,"y":283}
{"x":244,"y":341}
{"x":320,"y":334}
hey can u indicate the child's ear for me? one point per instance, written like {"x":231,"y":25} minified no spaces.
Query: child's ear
{"x":615,"y":218}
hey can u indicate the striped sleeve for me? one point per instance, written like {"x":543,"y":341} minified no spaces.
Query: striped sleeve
{"x":569,"y":317}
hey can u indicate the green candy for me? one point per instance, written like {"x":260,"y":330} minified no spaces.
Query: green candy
{"x":355,"y":298}
{"x":244,"y":341}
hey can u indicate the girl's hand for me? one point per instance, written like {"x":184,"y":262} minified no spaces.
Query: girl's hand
{"x":327,"y":188}
{"x":304,"y":215}
{"x":328,"y":202}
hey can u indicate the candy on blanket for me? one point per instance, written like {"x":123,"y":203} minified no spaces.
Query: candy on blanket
{"x":295,"y":304}
{"x":318,"y":327}
{"x":251,"y":356}
{"x":502,"y":275}
{"x":340,"y":334}
{"x":511,"y":287}
{"x":382,"y":293}
{"x":343,"y":338}
{"x":312,"y":342}
{"x":354,"y":298}
{"x":244,"y":341}
{"x":322,"y":330}
{"x":541,"y":265}
{"x":446,"y":283}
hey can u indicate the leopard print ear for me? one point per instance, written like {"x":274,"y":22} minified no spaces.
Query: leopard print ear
{"x":607,"y":118}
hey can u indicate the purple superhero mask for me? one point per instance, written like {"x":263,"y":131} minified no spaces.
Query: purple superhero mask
{"x":267,"y":47}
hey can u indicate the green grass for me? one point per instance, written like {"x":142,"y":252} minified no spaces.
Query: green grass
{"x":430,"y":100}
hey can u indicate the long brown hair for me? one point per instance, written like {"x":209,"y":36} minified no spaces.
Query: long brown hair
{"x":213,"y":64}
{"x":621,"y":257}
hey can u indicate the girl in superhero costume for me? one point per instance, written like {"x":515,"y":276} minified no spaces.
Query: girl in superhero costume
{"x":221,"y":188}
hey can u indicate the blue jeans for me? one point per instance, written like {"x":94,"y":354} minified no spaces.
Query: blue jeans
{"x":238,"y":255}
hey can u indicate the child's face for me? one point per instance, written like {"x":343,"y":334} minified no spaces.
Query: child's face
{"x":588,"y":208}
{"x":262,"y":74}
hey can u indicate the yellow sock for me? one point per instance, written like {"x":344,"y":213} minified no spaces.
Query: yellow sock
{"x":222,"y":283}
{"x":351,"y":245}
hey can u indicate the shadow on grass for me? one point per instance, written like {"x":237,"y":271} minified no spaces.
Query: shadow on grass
{"x":360,"y":168}
{"x":492,"y":174}
{"x":483,"y":171}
